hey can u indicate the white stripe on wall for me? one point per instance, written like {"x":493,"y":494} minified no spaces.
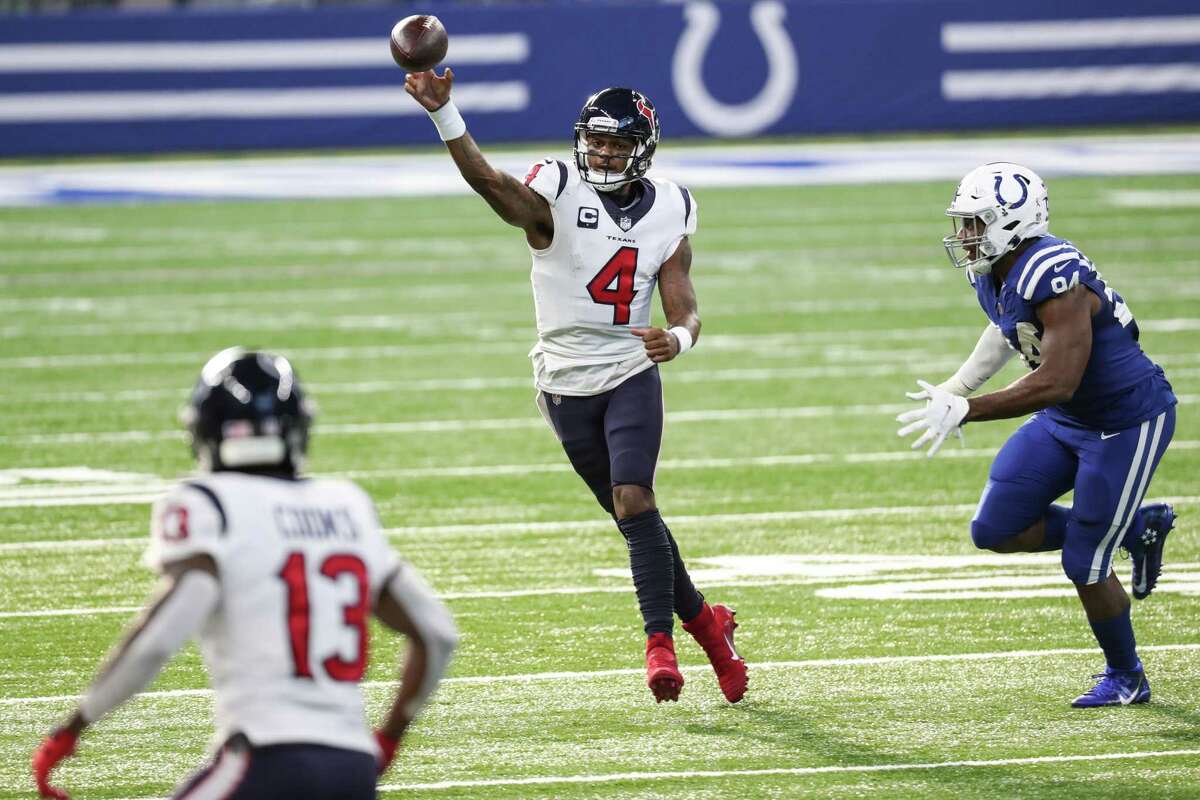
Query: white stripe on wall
{"x":1031,"y":84}
{"x":223,"y":56}
{"x":1069,"y":34}
{"x":249,"y":103}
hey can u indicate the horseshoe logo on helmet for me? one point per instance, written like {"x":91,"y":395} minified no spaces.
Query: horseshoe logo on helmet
{"x":1022,"y":181}
{"x":771,"y":102}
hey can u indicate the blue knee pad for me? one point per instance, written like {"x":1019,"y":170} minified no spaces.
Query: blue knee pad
{"x":1004,"y":511}
{"x":988,"y":537}
{"x":634,"y":466}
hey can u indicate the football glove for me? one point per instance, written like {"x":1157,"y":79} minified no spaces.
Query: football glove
{"x":387,"y":750}
{"x":942,"y":415}
{"x":60,"y":744}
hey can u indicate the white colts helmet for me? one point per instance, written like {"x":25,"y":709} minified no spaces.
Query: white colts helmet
{"x":1010,"y":203}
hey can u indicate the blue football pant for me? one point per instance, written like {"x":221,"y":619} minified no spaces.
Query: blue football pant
{"x":1109,"y":472}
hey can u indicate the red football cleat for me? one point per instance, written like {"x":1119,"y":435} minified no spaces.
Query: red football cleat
{"x":662,"y":670}
{"x":713,"y":629}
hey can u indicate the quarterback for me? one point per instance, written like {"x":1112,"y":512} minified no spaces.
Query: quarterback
{"x":1103,"y":412}
{"x":602,"y":234}
{"x":278,"y":575}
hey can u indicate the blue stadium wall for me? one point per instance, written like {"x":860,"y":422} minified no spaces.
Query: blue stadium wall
{"x":261,"y":79}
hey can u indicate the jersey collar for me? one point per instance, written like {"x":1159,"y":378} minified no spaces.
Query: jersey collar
{"x":628,"y":217}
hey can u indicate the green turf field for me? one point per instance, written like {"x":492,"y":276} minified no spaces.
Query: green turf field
{"x":892,"y":676}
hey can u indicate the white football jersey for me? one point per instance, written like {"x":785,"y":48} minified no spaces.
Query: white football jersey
{"x":596,"y":279}
{"x":300,"y":565}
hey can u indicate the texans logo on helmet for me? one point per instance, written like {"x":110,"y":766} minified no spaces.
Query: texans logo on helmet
{"x":645,"y":110}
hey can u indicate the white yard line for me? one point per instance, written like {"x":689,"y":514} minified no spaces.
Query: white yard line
{"x":459,"y":425}
{"x":43,"y":495}
{"x":70,"y":612}
{"x":773,"y":344}
{"x":525,"y":383}
{"x":473,"y":384}
{"x":618,"y":777}
{"x":621,"y":777}
{"x":1154,"y":198}
{"x":503,"y":528}
{"x":910,"y":242}
{"x":532,"y":677}
{"x":573,"y":591}
{"x":786,"y":460}
{"x":488,"y":424}
{"x":728,"y":582}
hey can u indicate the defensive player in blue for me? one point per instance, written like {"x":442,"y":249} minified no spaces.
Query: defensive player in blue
{"x":1103,"y":412}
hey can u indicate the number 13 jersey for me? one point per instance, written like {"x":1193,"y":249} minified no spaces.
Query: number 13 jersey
{"x":300,"y":564}
{"x":596,"y":279}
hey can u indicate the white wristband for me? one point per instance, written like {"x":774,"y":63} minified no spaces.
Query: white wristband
{"x":683,"y":336}
{"x":447,"y":120}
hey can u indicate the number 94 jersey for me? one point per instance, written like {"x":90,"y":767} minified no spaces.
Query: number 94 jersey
{"x":300,"y":565}
{"x":1121,"y":387}
{"x":597,"y":277}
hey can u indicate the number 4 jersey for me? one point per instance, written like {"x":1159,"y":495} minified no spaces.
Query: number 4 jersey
{"x":1121,"y":387}
{"x":596,"y":279}
{"x":300,"y":565}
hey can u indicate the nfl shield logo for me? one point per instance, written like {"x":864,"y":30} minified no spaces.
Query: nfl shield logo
{"x":626,"y":223}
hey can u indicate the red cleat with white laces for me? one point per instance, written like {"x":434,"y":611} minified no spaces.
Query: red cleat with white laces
{"x":662,"y":670}
{"x":713,"y":629}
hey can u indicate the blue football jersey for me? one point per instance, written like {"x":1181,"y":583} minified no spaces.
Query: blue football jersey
{"x":1121,"y":386}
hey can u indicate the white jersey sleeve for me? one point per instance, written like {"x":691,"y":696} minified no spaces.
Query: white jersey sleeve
{"x":548,"y":178}
{"x":188,"y":521}
{"x":690,"y":221}
{"x":381,"y":560}
{"x":690,"y":212}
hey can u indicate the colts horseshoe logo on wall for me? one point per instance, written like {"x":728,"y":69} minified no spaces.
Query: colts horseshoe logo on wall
{"x":771,"y":102}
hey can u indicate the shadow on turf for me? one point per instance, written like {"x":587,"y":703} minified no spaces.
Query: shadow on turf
{"x":1185,"y":722}
{"x":795,"y":731}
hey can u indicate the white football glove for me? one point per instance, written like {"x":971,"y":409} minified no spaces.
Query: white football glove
{"x":942,"y":415}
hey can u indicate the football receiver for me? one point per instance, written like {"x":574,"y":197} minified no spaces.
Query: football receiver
{"x":277,"y":575}
{"x":1103,"y":412}
{"x":602,"y":234}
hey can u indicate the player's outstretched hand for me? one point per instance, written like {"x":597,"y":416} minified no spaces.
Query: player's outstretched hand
{"x":60,"y":744}
{"x":942,"y":414}
{"x":429,"y":89}
{"x":661,"y":345}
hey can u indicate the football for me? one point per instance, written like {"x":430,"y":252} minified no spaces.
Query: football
{"x":419,"y":42}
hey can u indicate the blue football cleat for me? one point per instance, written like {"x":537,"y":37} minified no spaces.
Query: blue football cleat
{"x":1116,"y":687}
{"x":1146,"y":547}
